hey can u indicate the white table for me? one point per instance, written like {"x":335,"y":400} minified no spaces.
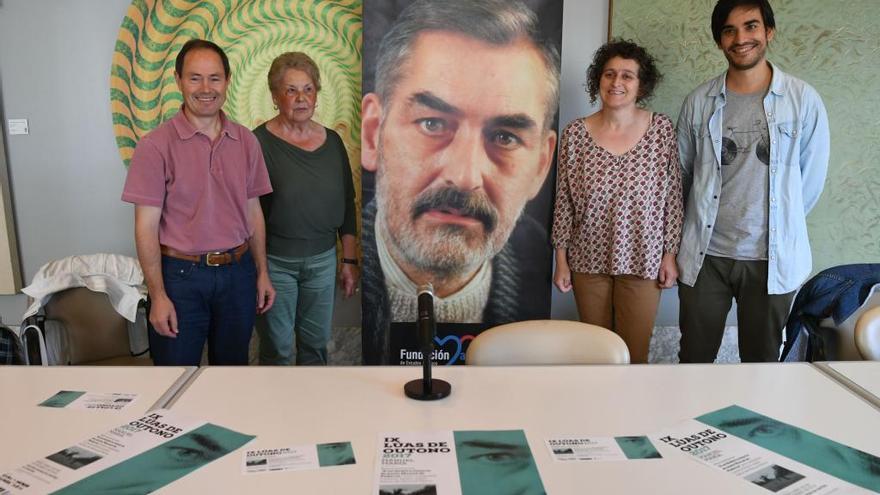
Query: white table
{"x":28,"y":432}
{"x":293,"y":406}
{"x":862,"y":377}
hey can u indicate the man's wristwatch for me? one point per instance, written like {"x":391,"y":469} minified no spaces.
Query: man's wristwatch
{"x":350,"y":261}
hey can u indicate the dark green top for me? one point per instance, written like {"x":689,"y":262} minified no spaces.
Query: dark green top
{"x":313,"y":195}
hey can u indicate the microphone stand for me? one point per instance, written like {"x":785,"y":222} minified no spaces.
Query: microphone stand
{"x":427,"y":388}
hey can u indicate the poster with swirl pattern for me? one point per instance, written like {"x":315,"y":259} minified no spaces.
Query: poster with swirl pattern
{"x":143,"y":91}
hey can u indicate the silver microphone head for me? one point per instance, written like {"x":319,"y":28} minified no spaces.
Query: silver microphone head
{"x":426,"y":288}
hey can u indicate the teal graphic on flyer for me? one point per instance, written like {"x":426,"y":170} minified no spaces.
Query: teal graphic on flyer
{"x":844,"y":462}
{"x":496,"y":463}
{"x":639,"y":447}
{"x":335,"y":454}
{"x":161,"y":465}
{"x":62,"y":399}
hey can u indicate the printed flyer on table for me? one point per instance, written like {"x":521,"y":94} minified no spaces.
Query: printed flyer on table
{"x":455,"y":463}
{"x":776,"y":456}
{"x":590,"y":448}
{"x":298,"y":457}
{"x":74,"y":399}
{"x":138,"y":457}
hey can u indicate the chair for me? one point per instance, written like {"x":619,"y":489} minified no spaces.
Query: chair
{"x":92,"y":332}
{"x":821,"y":323}
{"x":845,"y":342}
{"x":542,"y":342}
{"x":86,"y":309}
{"x":11,"y":351}
{"x":867,"y":334}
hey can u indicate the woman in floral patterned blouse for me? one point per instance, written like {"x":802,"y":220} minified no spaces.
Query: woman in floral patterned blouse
{"x":617,"y":222}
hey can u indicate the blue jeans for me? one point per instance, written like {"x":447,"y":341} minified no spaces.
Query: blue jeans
{"x":213,"y":303}
{"x":304,"y":291}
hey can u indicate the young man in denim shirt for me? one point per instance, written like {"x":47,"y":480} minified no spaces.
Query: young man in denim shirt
{"x":754,"y":145}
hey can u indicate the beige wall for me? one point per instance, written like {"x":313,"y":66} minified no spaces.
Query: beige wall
{"x":10,"y":269}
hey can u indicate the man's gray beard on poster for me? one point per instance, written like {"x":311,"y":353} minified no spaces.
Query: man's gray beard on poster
{"x":445,"y":253}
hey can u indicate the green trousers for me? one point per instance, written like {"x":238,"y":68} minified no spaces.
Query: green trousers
{"x":703,"y":311}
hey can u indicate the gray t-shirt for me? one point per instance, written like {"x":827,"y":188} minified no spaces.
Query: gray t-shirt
{"x":740,"y":229}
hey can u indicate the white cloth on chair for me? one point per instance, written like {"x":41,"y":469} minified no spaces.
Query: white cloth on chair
{"x":120,"y":277}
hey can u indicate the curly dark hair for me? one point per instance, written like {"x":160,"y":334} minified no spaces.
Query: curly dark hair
{"x":649,"y":75}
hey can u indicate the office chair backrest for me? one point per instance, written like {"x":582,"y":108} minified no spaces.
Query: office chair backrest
{"x":540,"y":342}
{"x":867,"y":334}
{"x":94,"y":330}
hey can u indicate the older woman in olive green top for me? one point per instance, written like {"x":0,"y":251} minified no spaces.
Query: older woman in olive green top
{"x":313,"y":202}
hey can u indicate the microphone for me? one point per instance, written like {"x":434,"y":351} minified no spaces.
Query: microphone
{"x":427,"y":388}
{"x":426,"y":325}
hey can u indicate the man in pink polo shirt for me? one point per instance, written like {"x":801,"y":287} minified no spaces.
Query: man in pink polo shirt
{"x":195,"y":181}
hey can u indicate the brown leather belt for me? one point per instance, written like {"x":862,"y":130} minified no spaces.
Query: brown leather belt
{"x":217,"y":258}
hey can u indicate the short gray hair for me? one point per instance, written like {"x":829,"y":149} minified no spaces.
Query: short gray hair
{"x":498,"y":22}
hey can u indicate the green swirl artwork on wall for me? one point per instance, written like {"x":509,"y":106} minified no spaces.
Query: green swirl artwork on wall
{"x":831,"y":45}
{"x":143,"y":92}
